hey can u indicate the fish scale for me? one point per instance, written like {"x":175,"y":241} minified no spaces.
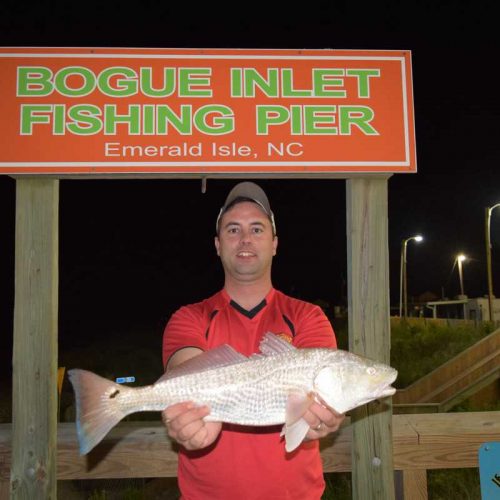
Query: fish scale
{"x":249,"y":393}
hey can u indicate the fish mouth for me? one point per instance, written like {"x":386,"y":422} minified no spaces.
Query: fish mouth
{"x":387,"y":391}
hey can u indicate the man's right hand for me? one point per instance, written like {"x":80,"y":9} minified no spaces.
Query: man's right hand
{"x":185,"y":424}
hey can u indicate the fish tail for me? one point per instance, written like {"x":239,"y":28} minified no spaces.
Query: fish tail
{"x":98,"y":407}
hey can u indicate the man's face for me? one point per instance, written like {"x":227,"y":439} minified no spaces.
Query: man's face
{"x":245,"y":243}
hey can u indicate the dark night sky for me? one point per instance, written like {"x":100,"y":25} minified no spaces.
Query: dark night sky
{"x":132,"y":251}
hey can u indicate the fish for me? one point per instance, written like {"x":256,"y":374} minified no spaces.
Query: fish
{"x":275,"y":386}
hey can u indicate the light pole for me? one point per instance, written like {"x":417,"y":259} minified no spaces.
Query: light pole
{"x":461,"y":258}
{"x":403,"y":290}
{"x":487,"y":218}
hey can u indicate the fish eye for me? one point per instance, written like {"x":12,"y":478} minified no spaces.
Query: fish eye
{"x":370,"y":370}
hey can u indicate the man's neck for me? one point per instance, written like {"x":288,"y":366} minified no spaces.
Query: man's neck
{"x":248,"y":295}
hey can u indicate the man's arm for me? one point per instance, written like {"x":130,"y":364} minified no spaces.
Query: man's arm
{"x":184,"y":421}
{"x":181,"y":356}
{"x":315,"y":330}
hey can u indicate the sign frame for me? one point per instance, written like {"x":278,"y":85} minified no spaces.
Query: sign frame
{"x":325,"y":130}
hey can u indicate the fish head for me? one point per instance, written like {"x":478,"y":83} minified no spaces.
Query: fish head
{"x":345,"y":381}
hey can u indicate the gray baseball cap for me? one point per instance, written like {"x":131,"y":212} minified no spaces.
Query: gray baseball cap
{"x":247,"y":191}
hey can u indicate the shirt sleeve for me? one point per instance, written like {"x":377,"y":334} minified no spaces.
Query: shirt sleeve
{"x":313,"y":328}
{"x":186,"y":328}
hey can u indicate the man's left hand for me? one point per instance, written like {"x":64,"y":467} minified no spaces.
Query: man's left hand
{"x":322,"y":421}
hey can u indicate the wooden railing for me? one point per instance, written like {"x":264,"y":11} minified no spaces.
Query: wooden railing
{"x":142,"y":449}
{"x":458,"y":378}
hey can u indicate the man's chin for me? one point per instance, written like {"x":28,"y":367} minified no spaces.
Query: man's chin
{"x":244,"y":274}
{"x":247,"y":273}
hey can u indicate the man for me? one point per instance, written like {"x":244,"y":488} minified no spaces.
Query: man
{"x":223,"y":461}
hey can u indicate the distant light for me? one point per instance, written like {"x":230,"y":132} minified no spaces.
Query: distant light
{"x":461,"y":257}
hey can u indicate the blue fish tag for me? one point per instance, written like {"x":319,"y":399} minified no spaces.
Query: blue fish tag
{"x":125,"y":380}
{"x":489,"y":470}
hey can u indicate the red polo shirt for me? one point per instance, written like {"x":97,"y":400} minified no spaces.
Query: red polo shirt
{"x":249,"y":462}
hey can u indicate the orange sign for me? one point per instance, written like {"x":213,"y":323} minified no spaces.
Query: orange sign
{"x":205,"y":111}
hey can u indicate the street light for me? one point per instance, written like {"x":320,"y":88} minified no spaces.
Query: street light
{"x":488,"y":211}
{"x":461,"y":258}
{"x":403,"y":290}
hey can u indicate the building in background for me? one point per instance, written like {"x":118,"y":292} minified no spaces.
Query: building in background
{"x":465,"y":308}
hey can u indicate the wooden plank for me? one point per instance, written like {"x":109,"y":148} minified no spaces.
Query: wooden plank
{"x":415,"y":484}
{"x":336,"y":450}
{"x":415,"y":408}
{"x":369,"y":331}
{"x":4,"y":489}
{"x":448,"y":440}
{"x":469,"y":376}
{"x":454,"y":428}
{"x":142,"y":449}
{"x":134,"y":450}
{"x":34,"y":378}
{"x":403,"y":432}
{"x":437,"y":456}
{"x":474,"y":387}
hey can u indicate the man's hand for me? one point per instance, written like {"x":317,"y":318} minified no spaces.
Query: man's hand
{"x":322,"y":421}
{"x":184,"y":421}
{"x":185,"y":424}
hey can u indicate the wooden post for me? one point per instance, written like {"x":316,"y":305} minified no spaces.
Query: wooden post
{"x":415,"y":484}
{"x":369,"y":331}
{"x":34,"y":364}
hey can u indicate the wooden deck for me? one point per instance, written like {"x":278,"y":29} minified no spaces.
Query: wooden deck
{"x":142,"y":449}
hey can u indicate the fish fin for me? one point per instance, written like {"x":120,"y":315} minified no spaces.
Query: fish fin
{"x":223,"y":355}
{"x":256,"y":356}
{"x":295,"y":434}
{"x":271,"y":345}
{"x":296,"y":428}
{"x":98,"y":409}
{"x":296,"y":405}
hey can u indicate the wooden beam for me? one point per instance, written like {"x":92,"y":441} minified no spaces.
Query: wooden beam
{"x":369,"y":331}
{"x":34,"y":363}
{"x":142,"y":449}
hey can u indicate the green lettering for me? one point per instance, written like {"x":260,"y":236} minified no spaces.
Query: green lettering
{"x":112,"y":119}
{"x":363,"y":76}
{"x":148,"y":119}
{"x":85,"y":119}
{"x":316,"y":115}
{"x":253,"y":79}
{"x":59,"y":119}
{"x":168,"y":86}
{"x":34,"y":113}
{"x":87,"y":84}
{"x":236,"y":82}
{"x":359,"y":116}
{"x":221,"y":123}
{"x":323,"y":82}
{"x":287,"y":84}
{"x":122,"y":87}
{"x":296,"y":119}
{"x":270,"y":115}
{"x":166,"y":117}
{"x":190,"y":78}
{"x":34,"y":81}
